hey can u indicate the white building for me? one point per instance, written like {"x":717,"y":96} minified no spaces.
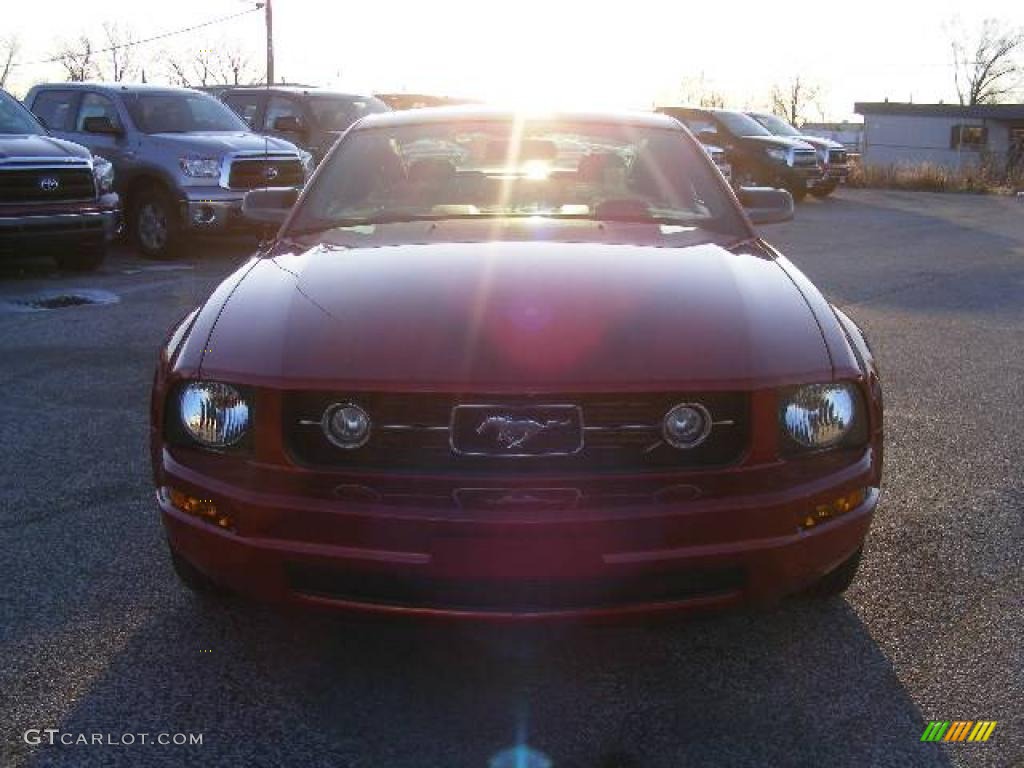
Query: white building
{"x":941,"y":134}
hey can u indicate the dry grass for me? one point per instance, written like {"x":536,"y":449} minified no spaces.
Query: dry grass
{"x":983,"y":178}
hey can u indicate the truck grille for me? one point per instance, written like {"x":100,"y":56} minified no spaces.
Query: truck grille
{"x":837,"y":157}
{"x":620,"y":433}
{"x":255,"y":172}
{"x":40,"y":185}
{"x":804,"y":158}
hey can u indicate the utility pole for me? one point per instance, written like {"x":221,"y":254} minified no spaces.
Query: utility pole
{"x":269,"y":11}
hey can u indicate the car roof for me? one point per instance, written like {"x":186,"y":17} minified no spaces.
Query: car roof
{"x":477,"y":112}
{"x":117,"y":87}
{"x":298,"y":90}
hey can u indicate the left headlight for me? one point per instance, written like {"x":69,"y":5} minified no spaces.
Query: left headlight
{"x":103,"y":172}
{"x":820,"y":415}
{"x":777,"y":153}
{"x":200,"y":167}
{"x":213,"y":414}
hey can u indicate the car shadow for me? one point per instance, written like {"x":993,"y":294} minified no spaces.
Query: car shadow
{"x":799,"y":684}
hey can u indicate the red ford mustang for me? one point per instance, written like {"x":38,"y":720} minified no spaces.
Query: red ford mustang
{"x":511,"y":366}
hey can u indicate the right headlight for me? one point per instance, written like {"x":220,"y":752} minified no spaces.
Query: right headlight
{"x":213,"y":414}
{"x":200,"y":167}
{"x":820,"y":415}
{"x":103,"y":172}
{"x":777,"y":153}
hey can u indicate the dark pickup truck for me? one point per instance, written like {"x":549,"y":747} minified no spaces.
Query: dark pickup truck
{"x":311,"y":118}
{"x":831,"y":154}
{"x":757,"y":157}
{"x":55,"y":196}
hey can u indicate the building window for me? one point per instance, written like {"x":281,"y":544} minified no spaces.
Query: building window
{"x":969,"y":137}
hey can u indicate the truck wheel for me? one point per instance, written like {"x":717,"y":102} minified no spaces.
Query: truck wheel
{"x":87,"y":259}
{"x":155,"y":224}
{"x":824,"y":190}
{"x":837,"y":581}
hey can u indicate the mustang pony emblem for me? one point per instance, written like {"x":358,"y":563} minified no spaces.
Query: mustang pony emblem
{"x":514,"y":433}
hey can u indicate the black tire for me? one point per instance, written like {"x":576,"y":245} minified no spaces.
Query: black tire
{"x":823,"y":190}
{"x":838,"y":580}
{"x":155,"y":223}
{"x":85,"y":258}
{"x":193,"y":578}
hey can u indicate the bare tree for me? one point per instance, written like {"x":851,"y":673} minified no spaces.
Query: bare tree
{"x":120,"y":53}
{"x":234,"y":65}
{"x":697,"y":91}
{"x":8,"y":50}
{"x":987,"y":67}
{"x":77,"y":59}
{"x":791,"y":100}
{"x":193,"y":71}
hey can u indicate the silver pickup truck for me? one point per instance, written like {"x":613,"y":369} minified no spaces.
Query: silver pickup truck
{"x":183,"y":161}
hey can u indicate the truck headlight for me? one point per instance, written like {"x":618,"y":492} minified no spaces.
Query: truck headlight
{"x":820,"y":415}
{"x":308,"y":164}
{"x":103,"y":172}
{"x":200,"y":167}
{"x":213,"y":414}
{"x":777,"y":153}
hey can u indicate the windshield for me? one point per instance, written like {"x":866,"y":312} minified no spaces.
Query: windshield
{"x":336,"y":113}
{"x":777,"y":125}
{"x":501,"y":168}
{"x":182,"y":112}
{"x":742,"y":125}
{"x":14,"y":118}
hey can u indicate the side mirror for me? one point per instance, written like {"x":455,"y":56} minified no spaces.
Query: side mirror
{"x":288,"y":124}
{"x":765,"y":205}
{"x":100,"y":124}
{"x":269,"y":206}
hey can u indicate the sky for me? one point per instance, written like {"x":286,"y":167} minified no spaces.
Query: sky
{"x":549,"y":53}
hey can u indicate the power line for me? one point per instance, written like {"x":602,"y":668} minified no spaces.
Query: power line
{"x":162,"y":36}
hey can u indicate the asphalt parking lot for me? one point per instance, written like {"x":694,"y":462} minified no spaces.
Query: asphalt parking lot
{"x":97,"y":636}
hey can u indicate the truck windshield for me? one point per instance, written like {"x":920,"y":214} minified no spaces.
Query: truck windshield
{"x":336,"y":113}
{"x":742,"y":125}
{"x":506,"y":168}
{"x":181,"y":112}
{"x":777,"y":125}
{"x":16,"y":119}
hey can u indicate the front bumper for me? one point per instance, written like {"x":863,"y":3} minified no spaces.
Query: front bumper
{"x":215,"y":210}
{"x":65,"y":224}
{"x":369,"y":556}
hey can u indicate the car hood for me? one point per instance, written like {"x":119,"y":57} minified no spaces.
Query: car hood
{"x":786,"y":142}
{"x":222,"y":142}
{"x":13,"y":146}
{"x":821,"y":143}
{"x":516,"y":316}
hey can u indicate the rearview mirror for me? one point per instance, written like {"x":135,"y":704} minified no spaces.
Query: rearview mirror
{"x":766,"y":205}
{"x":288,"y":124}
{"x":100,"y":124}
{"x":269,"y":206}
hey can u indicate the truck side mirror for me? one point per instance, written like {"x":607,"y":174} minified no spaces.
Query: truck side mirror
{"x":100,"y":124}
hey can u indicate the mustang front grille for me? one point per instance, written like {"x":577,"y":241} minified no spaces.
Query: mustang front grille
{"x":255,"y":172}
{"x":41,"y":185}
{"x":478,"y":434}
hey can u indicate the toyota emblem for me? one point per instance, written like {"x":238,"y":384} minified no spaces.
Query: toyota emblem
{"x":49,"y":184}
{"x":270,"y":172}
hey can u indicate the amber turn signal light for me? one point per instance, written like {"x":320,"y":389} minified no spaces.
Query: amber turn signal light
{"x":835,"y":508}
{"x":204,"y":509}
